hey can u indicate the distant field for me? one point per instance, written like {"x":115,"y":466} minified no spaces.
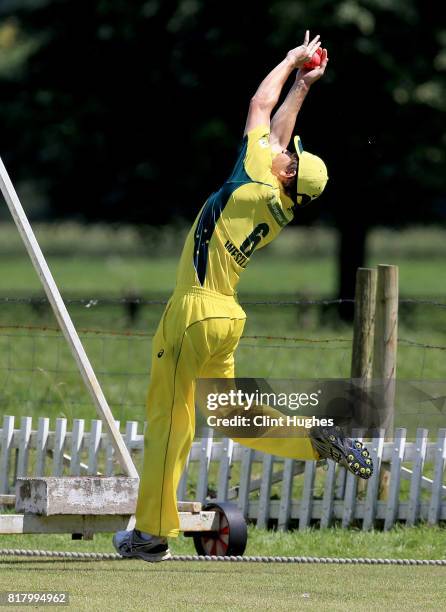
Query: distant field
{"x":71,"y":238}
{"x":266,"y":275}
{"x":124,"y":259}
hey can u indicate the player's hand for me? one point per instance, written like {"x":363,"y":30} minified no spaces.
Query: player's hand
{"x":305,"y":52}
{"x":310,"y":75}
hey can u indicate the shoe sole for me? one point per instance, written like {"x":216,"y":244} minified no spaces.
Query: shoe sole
{"x":353,"y":459}
{"x":150,"y":558}
{"x":355,"y":464}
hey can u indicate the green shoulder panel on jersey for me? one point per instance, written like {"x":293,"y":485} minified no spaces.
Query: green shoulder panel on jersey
{"x":213,"y":209}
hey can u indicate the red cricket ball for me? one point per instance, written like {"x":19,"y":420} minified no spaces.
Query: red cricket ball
{"x":315,"y":61}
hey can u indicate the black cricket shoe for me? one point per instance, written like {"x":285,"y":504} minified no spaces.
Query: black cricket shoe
{"x":132,"y":544}
{"x":331,"y":443}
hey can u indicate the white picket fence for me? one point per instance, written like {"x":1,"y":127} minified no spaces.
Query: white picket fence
{"x":245,"y":476}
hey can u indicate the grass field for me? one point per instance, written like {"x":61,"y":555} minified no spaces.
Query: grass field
{"x":268,"y":276}
{"x":119,"y":260}
{"x":123,"y":586}
{"x":133,"y":585}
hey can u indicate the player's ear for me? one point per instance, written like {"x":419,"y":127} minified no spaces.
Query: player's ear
{"x":288,"y":174}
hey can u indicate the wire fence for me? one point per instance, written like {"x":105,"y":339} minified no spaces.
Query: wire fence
{"x":286,"y":339}
{"x":38,"y":374}
{"x":149,"y":301}
{"x":37,"y":370}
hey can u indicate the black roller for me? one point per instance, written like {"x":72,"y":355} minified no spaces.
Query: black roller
{"x":231,"y":537}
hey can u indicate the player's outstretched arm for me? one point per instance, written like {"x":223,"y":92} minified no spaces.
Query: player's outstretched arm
{"x":284,"y":120}
{"x":267,"y":95}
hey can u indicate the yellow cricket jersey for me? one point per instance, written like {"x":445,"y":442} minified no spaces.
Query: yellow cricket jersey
{"x":245,"y":214}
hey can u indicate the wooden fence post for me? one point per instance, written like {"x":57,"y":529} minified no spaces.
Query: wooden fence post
{"x":364,"y":324}
{"x":386,"y":335}
{"x":385,"y":347}
{"x":363,"y":336}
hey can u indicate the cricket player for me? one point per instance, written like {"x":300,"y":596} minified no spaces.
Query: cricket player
{"x":203,"y":321}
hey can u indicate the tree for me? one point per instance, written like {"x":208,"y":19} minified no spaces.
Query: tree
{"x":133,"y":111}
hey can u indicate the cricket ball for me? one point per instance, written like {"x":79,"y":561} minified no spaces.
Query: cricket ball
{"x":315,"y":61}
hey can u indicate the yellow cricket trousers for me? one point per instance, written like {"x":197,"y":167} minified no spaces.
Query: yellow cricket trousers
{"x":196,"y":338}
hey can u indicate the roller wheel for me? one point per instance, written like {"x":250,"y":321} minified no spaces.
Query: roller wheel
{"x":232,"y":534}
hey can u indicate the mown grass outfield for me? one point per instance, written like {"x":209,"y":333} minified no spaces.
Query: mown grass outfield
{"x":120,"y":586}
{"x":135,"y":585}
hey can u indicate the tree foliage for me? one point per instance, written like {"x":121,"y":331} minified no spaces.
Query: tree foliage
{"x":133,"y":111}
